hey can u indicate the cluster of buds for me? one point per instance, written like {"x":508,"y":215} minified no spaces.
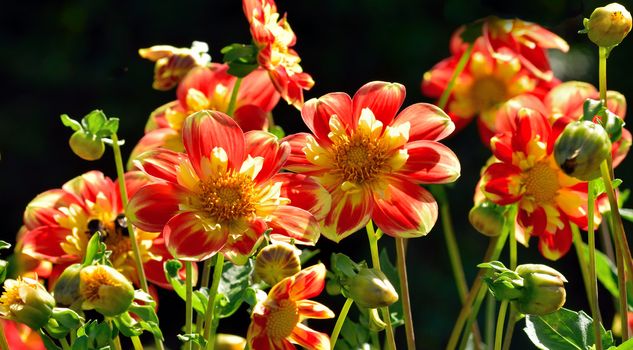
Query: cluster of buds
{"x":534,"y":289}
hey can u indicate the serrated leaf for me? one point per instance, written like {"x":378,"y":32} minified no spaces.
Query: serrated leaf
{"x":93,"y":121}
{"x":563,"y":330}
{"x":127,"y":325}
{"x":152,"y":327}
{"x":4,"y":245}
{"x":233,"y":285}
{"x":71,"y":123}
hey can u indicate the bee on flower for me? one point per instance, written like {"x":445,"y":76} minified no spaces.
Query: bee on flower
{"x":372,"y":159}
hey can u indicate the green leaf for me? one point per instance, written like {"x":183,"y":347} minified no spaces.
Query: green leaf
{"x":233,"y":286}
{"x":49,"y":344}
{"x":240,"y":70}
{"x":91,"y":250}
{"x":564,"y":329}
{"x":343,"y":266}
{"x":80,"y":343}
{"x":605,"y":270}
{"x":277,"y":131}
{"x":171,"y":268}
{"x":626,"y":214}
{"x":397,"y":318}
{"x":110,"y":127}
{"x":67,"y":318}
{"x":3,"y":270}
{"x":127,"y":325}
{"x":627,"y":345}
{"x":599,"y":187}
{"x":4,"y":245}
{"x":71,"y":123}
{"x":93,"y":121}
{"x":195,"y":337}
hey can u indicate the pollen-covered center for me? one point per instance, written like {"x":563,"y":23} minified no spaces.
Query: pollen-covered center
{"x":488,"y":91}
{"x":227,"y":197}
{"x":360,"y":159}
{"x":11,"y":296}
{"x":282,"y":319}
{"x":541,"y":183}
{"x":94,"y":282}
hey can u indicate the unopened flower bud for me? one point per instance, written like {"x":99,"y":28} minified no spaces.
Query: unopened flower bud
{"x":488,"y":218}
{"x":581,"y":148}
{"x":66,"y":290}
{"x":105,"y":289}
{"x":543,"y":291}
{"x":229,"y":342}
{"x":86,"y":145}
{"x":26,"y":301}
{"x":276,"y":262}
{"x":607,"y":26}
{"x":370,"y":288}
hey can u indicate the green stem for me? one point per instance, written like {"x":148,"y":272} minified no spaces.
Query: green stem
{"x":4,"y":345}
{"x":494,"y":250}
{"x":115,"y":343}
{"x":124,"y":201}
{"x":582,"y":261}
{"x":622,"y":295}
{"x":513,"y":239}
{"x":500,"y":320}
{"x":64,"y":343}
{"x":458,"y":70}
{"x":473,"y":316}
{"x":375,"y":259}
{"x":404,"y":289}
{"x":209,"y":327}
{"x":136,"y":342}
{"x":491,"y":305}
{"x":512,"y":320}
{"x":188,"y":301}
{"x":597,"y":319}
{"x":231,"y":109}
{"x":451,"y":244}
{"x":339,"y":321}
{"x":602,"y":72}
{"x":206,"y":276}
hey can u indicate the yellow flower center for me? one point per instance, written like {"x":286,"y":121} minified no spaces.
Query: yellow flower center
{"x":93,"y":282}
{"x":360,"y":159}
{"x":11,"y":296}
{"x":487,"y":91}
{"x":541,"y":183}
{"x":283,"y":318}
{"x":228,"y":196}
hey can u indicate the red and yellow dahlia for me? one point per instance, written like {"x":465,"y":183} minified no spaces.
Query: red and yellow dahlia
{"x":276,"y":321}
{"x":526,"y":173}
{"x":372,"y":161}
{"x":224,"y":192}
{"x":209,"y":88}
{"x":173,"y":64}
{"x":59,"y":223}
{"x":274,"y":38}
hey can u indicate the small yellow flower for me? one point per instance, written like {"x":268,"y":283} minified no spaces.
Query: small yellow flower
{"x":26,"y":301}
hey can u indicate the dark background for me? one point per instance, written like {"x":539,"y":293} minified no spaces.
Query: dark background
{"x":75,"y":56}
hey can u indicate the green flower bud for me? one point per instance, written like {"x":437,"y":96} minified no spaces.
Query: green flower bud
{"x":543,"y":289}
{"x":229,"y":342}
{"x":86,"y":145}
{"x":66,"y":290}
{"x":607,"y":26}
{"x":581,"y":148}
{"x":276,"y":262}
{"x":487,"y":218}
{"x":370,"y":288}
{"x":105,"y":289}
{"x":26,"y":301}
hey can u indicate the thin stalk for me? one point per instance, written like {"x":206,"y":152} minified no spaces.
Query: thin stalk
{"x":595,"y":310}
{"x":4,"y":344}
{"x":494,"y":250}
{"x":204,"y":283}
{"x":188,"y":301}
{"x":136,"y":342}
{"x":209,"y":328}
{"x":115,"y":343}
{"x":602,"y":72}
{"x":582,"y":260}
{"x":491,"y":306}
{"x":513,"y":238}
{"x":622,"y":295}
{"x":473,"y":316}
{"x":231,"y":109}
{"x":339,"y":321}
{"x":404,"y":289}
{"x":512,"y":320}
{"x":65,"y":344}
{"x":124,"y":201}
{"x":375,"y":259}
{"x":458,"y":70}
{"x":451,"y":244}
{"x":500,"y":320}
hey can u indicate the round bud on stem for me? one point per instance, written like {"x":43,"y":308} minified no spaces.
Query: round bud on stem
{"x":370,"y":288}
{"x":607,"y":26}
{"x":26,"y":301}
{"x":86,"y":145}
{"x":66,"y":290}
{"x":487,"y":218}
{"x":581,"y":148}
{"x":105,"y":289}
{"x":543,"y":289}
{"x":276,"y":262}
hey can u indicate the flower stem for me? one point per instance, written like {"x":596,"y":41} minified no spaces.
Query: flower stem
{"x":474,"y":296}
{"x":513,"y":239}
{"x":451,"y":244}
{"x":209,"y":328}
{"x":404,"y":289}
{"x":339,"y":321}
{"x":500,"y":320}
{"x":471,"y":319}
{"x":64,"y":343}
{"x":582,"y":261}
{"x":206,"y":276}
{"x":597,"y":319}
{"x":124,"y":201}
{"x":512,"y":320}
{"x":458,"y":70}
{"x":375,"y":259}
{"x":622,"y":295}
{"x":188,"y":301}
{"x":491,"y":308}
{"x":136,"y":342}
{"x":4,"y":345}
{"x":231,"y":109}
{"x":602,"y":72}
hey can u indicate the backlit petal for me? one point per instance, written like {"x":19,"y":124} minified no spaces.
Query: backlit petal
{"x":290,"y":222}
{"x":316,"y":113}
{"x":382,"y":98}
{"x":431,"y":162}
{"x":554,"y":246}
{"x":42,"y":210}
{"x":160,"y":163}
{"x":266,"y":145}
{"x":428,"y":122}
{"x":350,"y":211}
{"x":310,"y":339}
{"x":304,"y":192}
{"x":45,"y":243}
{"x":312,"y":309}
{"x":502,"y":183}
{"x":187,"y":238}
{"x":307,"y":283}
{"x":153,"y":205}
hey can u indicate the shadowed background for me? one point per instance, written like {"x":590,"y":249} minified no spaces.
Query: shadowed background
{"x":76,"y":56}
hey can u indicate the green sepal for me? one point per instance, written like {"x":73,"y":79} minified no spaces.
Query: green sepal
{"x":242,"y":59}
{"x":93,"y":121}
{"x":4,"y":245}
{"x":71,"y":123}
{"x":111,"y":126}
{"x":97,"y":335}
{"x":92,"y":250}
{"x":49,"y":344}
{"x":171,"y":268}
{"x":195,"y":338}
{"x":127,"y":325}
{"x":277,"y":131}
{"x":67,"y":318}
{"x":611,"y":123}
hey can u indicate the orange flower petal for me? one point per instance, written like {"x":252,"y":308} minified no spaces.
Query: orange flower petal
{"x":382,"y":98}
{"x":266,"y":145}
{"x":153,"y":205}
{"x":160,"y":163}
{"x":188,"y":239}
{"x":554,"y":246}
{"x":312,"y":309}
{"x":431,"y":162}
{"x":316,"y":113}
{"x":304,"y":192}
{"x":43,"y":208}
{"x":310,"y":339}
{"x":44,"y":243}
{"x":428,"y":122}
{"x":349,"y":212}
{"x":289,"y":222}
{"x":307,"y":283}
